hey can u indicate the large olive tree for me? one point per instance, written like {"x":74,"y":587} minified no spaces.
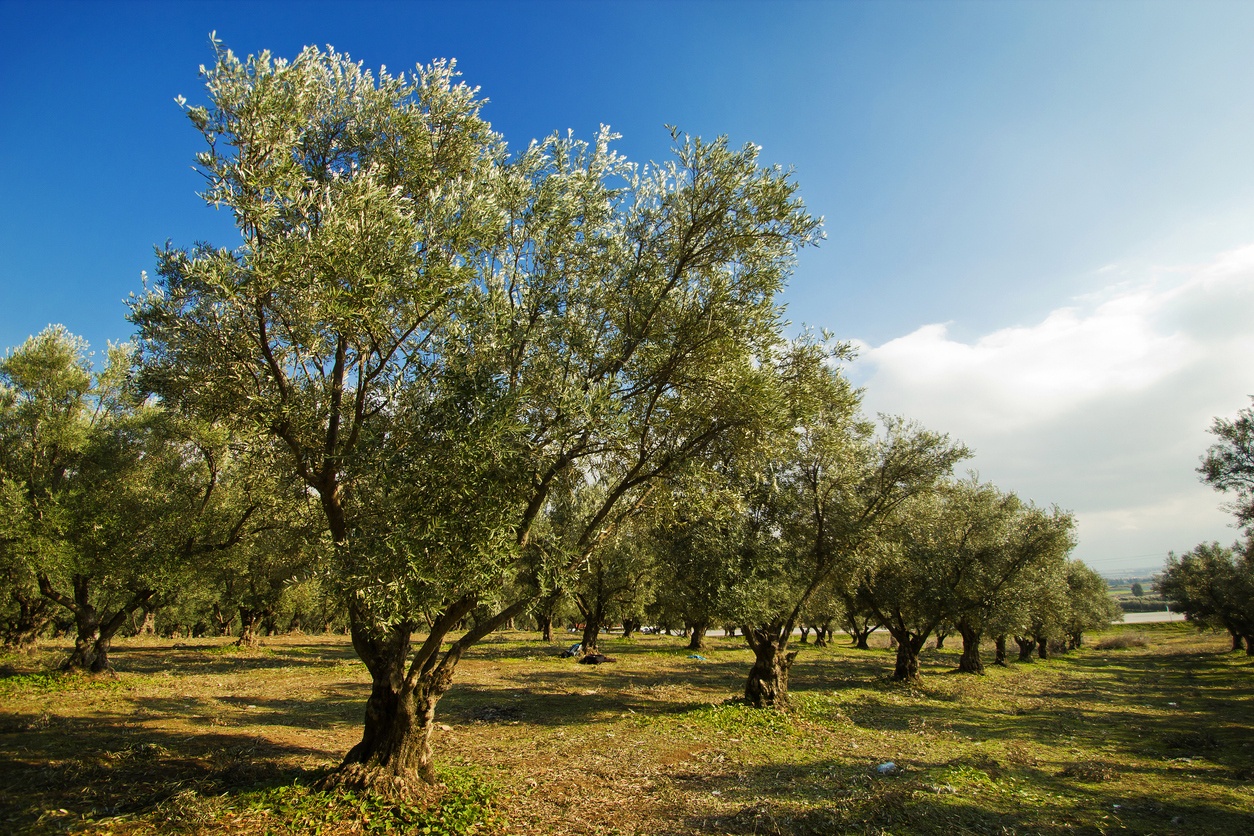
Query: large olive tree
{"x":446,"y":338}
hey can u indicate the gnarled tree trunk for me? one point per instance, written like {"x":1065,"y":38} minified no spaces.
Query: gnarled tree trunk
{"x":696,"y":641}
{"x":1027,"y":645}
{"x":94,"y":630}
{"x":909,"y":646}
{"x":970,"y":661}
{"x":1000,"y":644}
{"x":545,"y":620}
{"x":249,"y":621}
{"x":767,"y":686}
{"x":395,"y":747}
{"x":860,"y":636}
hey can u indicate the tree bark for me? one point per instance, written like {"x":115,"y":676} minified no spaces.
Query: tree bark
{"x":1000,"y":644}
{"x":805,"y":635}
{"x":1238,"y":643}
{"x":860,"y":637}
{"x":591,"y":630}
{"x":546,"y":626}
{"x":970,"y":661}
{"x":594,"y":615}
{"x":395,"y":748}
{"x":249,"y":621}
{"x":1042,"y":646}
{"x":1026,"y":646}
{"x":94,"y":632}
{"x":908,"y":649}
{"x":220,"y":622}
{"x":696,"y":641}
{"x":767,"y":686}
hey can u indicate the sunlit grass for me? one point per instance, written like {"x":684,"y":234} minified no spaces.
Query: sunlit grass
{"x":1147,"y":729}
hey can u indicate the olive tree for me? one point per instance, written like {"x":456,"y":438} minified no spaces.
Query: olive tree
{"x":1007,"y":537}
{"x":1229,"y":463}
{"x":1213,"y":586}
{"x":1089,"y":603}
{"x":831,"y":484}
{"x":445,"y":337}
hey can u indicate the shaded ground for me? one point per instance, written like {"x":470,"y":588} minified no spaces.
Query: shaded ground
{"x":200,"y":737}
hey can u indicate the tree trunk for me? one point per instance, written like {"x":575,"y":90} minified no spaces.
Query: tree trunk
{"x":1249,"y":645}
{"x":767,"y":686}
{"x":1042,"y":646}
{"x":908,"y":649}
{"x":697,"y":640}
{"x":591,"y":629}
{"x":395,"y":748}
{"x":970,"y":661}
{"x":31,"y":620}
{"x":546,"y":626}
{"x":630,"y":625}
{"x":940,"y":640}
{"x":94,"y":632}
{"x":221,"y":623}
{"x":1026,"y":646}
{"x":860,"y":637}
{"x":805,"y":635}
{"x":1238,"y":643}
{"x":249,"y":620}
{"x":1000,"y":657}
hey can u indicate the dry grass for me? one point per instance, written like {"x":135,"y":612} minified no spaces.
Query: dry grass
{"x":1122,"y":641}
{"x":201,"y":738}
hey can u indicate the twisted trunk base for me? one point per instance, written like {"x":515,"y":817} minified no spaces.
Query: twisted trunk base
{"x":970,"y":661}
{"x":908,"y":649}
{"x":697,"y":639}
{"x":393,"y":757}
{"x":767,"y":685}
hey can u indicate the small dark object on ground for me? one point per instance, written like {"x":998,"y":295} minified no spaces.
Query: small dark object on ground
{"x":595,"y":659}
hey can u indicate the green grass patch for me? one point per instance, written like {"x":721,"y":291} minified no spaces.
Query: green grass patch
{"x":466,"y":806}
{"x":1148,"y":736}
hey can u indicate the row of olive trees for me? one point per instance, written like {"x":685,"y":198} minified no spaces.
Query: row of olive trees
{"x":824,"y":518}
{"x":1213,"y":584}
{"x":114,"y":504}
{"x":449,"y":382}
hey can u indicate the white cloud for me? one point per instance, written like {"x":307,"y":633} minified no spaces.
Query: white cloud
{"x":1102,"y":407}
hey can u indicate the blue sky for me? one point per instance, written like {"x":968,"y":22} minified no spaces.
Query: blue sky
{"x":1038,"y":214}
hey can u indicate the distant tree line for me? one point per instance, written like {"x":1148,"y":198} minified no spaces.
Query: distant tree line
{"x":437,"y":388}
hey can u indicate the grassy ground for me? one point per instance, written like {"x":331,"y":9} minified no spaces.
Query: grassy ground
{"x":1153,"y":737}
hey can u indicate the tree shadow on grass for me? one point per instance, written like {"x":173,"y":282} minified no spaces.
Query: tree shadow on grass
{"x":57,"y":771}
{"x":943,"y":798}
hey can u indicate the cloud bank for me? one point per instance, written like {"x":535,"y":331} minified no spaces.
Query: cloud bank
{"x":1102,"y":407}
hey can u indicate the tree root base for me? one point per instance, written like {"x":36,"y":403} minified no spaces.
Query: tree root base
{"x":363,"y":780}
